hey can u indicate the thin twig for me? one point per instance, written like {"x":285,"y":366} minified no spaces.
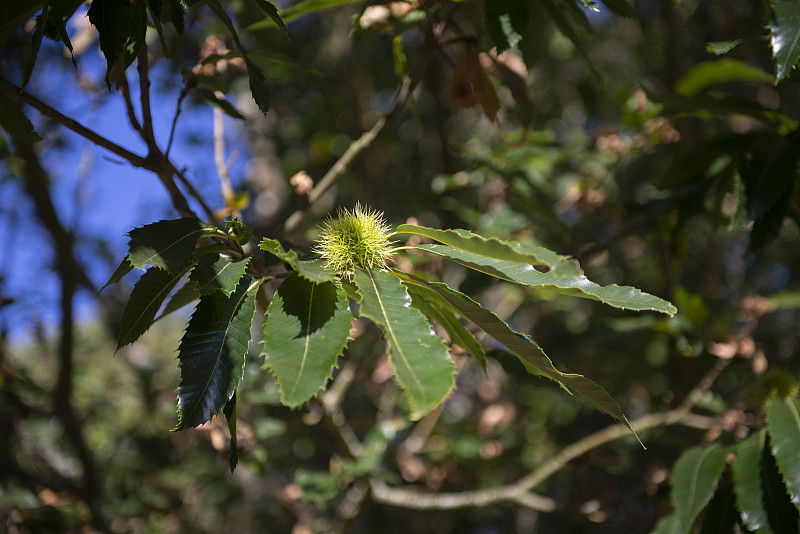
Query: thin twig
{"x":520,"y":491}
{"x":125,"y":90}
{"x":142,"y":67}
{"x":71,"y":124}
{"x":359,"y":145}
{"x":181,"y":97}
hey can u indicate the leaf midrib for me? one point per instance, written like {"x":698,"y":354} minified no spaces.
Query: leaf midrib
{"x":148,"y":260}
{"x":397,"y":345}
{"x":308,"y":341}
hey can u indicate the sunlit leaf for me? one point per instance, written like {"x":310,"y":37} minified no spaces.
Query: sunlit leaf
{"x":783,"y":424}
{"x":724,"y":70}
{"x":169,"y":244}
{"x":694,"y":479}
{"x":438,"y":309}
{"x":529,"y":353}
{"x":623,"y":297}
{"x":217,"y":273}
{"x":719,"y":48}
{"x":785,"y":37}
{"x":304,"y":334}
{"x":748,"y":483}
{"x":146,"y":298}
{"x":212,"y":353}
{"x":311,"y":270}
{"x":420,"y":359}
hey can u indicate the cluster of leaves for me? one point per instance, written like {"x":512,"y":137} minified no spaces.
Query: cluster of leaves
{"x":122,"y":26}
{"x":308,"y":319}
{"x":754,"y":483}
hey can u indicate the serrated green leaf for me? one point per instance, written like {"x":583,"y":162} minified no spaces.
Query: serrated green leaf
{"x":112,"y":19}
{"x":269,"y":9}
{"x":14,"y":121}
{"x":621,"y":8}
{"x":230,"y":414}
{"x":719,"y":48}
{"x":496,"y":248}
{"x":168,"y":244}
{"x":785,"y":37}
{"x":783,"y":424}
{"x":62,"y":11}
{"x":138,"y":30}
{"x":748,"y":483}
{"x":783,"y":515}
{"x":258,"y":85}
{"x":36,"y":43}
{"x":623,"y":297}
{"x":124,"y":268}
{"x":146,"y":298}
{"x":438,"y":309}
{"x":304,"y":334}
{"x":420,"y":359}
{"x":312,"y":270}
{"x":226,"y":107}
{"x":217,"y":273}
{"x":529,"y":353}
{"x":505,"y":21}
{"x":694,"y":479}
{"x":212,"y":353}
{"x":185,"y":295}
{"x":708,"y":73}
{"x":298,"y":10}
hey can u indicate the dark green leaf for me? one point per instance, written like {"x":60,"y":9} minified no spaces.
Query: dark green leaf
{"x":138,"y":29}
{"x":623,"y":297}
{"x":420,"y":359}
{"x":124,"y":268}
{"x":724,"y":70}
{"x":167,"y":244}
{"x":621,"y":8}
{"x":721,"y":516}
{"x":185,"y":295}
{"x":112,"y":19}
{"x":227,"y":108}
{"x":157,"y":7}
{"x":57,"y":23}
{"x":304,"y":334}
{"x":785,"y":37}
{"x":271,"y":12}
{"x":298,"y":10}
{"x":528,"y":352}
{"x":783,"y":515}
{"x":173,"y":11}
{"x":146,"y":298}
{"x":230,"y":414}
{"x":14,"y":14}
{"x":258,"y":85}
{"x":783,"y":424}
{"x":748,"y":483}
{"x":14,"y":121}
{"x":212,"y":353}
{"x":218,"y":273}
{"x":694,"y":479}
{"x":766,"y":186}
{"x":438,"y":309}
{"x":36,"y":42}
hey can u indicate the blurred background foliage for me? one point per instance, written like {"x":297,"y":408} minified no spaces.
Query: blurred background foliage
{"x":599,"y":150}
